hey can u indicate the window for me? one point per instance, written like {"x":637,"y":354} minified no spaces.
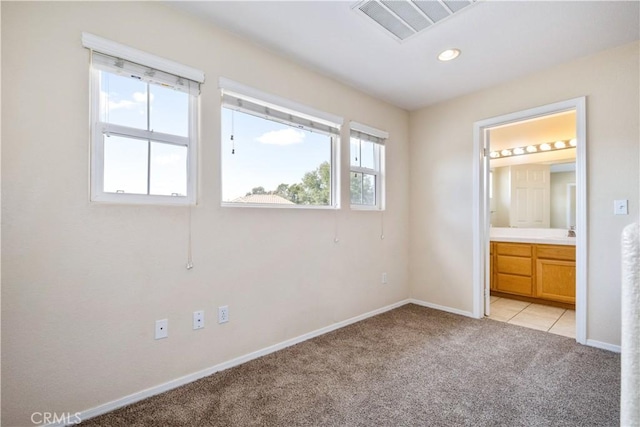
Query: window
{"x":276,"y":154}
{"x":366,"y":167}
{"x":143,"y":127}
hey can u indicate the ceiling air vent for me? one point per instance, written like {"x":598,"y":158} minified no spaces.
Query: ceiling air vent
{"x":405,"y":18}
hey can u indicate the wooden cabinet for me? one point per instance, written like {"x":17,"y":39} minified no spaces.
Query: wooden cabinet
{"x":556,"y":273}
{"x":534,"y":271}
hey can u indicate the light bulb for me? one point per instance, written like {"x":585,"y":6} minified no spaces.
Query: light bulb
{"x":573,"y":142}
{"x":494,"y":154}
{"x":449,"y":54}
{"x":560,"y":144}
{"x":518,"y":151}
{"x":545,"y":147}
{"x":531,"y":149}
{"x":506,"y":152}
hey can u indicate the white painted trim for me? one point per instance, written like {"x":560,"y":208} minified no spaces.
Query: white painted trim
{"x":359,"y":127}
{"x":122,"y":51}
{"x":480,"y":206}
{"x":277,"y":101}
{"x":582,"y":260}
{"x":441,"y":307}
{"x":277,"y":206}
{"x":604,"y":346}
{"x":370,"y":208}
{"x":479,"y":215}
{"x":152,"y":391}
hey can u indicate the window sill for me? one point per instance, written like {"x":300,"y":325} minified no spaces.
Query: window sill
{"x":366,"y":208}
{"x":276,"y":206}
{"x":137,"y":199}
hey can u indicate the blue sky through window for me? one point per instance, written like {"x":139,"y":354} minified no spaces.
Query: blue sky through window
{"x":143,"y":166}
{"x":267,"y":153}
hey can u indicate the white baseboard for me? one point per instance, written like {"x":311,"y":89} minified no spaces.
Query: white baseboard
{"x":604,"y":346}
{"x":152,"y":391}
{"x":441,"y":308}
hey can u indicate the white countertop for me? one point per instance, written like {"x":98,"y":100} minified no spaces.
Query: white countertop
{"x":547,"y":241}
{"x":532,"y":235}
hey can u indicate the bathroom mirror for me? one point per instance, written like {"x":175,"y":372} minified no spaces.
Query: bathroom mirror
{"x":532,"y":182}
{"x":547,"y":200}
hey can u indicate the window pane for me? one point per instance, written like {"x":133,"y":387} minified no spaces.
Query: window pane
{"x":367,"y":152}
{"x":368,"y":190}
{"x":356,"y":188}
{"x":363,"y":189}
{"x":168,"y":169}
{"x":123,"y":101}
{"x":169,"y":110}
{"x":355,"y":152}
{"x":268,"y":162}
{"x":125,"y":165}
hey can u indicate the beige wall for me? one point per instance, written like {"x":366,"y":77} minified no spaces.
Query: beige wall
{"x":442,"y":181}
{"x":83,"y":283}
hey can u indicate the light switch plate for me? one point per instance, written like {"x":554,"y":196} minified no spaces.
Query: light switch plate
{"x":620,"y":207}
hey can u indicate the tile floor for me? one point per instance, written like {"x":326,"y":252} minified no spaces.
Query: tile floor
{"x":535,"y":316}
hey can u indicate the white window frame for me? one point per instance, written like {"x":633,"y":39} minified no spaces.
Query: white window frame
{"x":362,"y":131}
{"x":256,"y":96}
{"x":99,"y":129}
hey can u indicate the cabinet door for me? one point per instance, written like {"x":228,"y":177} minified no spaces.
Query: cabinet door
{"x":556,"y":280}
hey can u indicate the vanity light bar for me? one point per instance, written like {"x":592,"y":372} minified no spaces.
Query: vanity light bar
{"x":530,"y":149}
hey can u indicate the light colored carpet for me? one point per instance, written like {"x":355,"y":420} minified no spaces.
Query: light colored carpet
{"x":412,"y":366}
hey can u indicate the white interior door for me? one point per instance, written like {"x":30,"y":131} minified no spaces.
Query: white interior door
{"x":530,"y":196}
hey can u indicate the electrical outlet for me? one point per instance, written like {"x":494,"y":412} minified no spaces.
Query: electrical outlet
{"x":223,"y":314}
{"x":162,"y":328}
{"x":198,"y":319}
{"x":384,"y":279}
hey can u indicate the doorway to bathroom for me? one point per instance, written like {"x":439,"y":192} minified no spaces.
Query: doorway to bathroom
{"x":529,"y":217}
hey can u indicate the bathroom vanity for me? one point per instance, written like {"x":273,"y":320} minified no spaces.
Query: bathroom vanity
{"x":541,"y":270}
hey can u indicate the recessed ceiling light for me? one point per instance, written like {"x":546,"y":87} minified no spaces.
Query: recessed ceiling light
{"x":449,"y":54}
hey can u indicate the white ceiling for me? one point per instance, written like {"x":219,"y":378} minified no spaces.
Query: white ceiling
{"x":500,"y":41}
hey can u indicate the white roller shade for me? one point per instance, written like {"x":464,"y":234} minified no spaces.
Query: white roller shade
{"x":120,"y":59}
{"x":368,"y":133}
{"x":140,"y":72}
{"x":237,"y":96}
{"x":247,"y":105}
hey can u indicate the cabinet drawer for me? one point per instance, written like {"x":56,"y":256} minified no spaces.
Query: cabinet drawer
{"x":556,"y":252}
{"x":514,"y":265}
{"x":514,"y":284}
{"x":514,"y":249}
